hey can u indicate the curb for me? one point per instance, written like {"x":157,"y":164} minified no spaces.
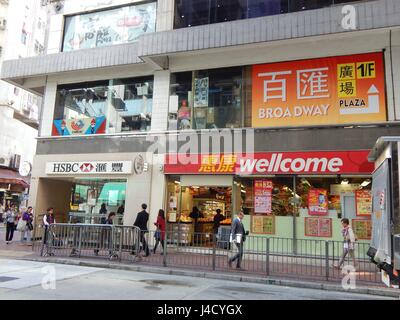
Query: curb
{"x":390,"y":293}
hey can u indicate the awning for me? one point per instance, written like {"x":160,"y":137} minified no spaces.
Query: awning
{"x":9,"y":176}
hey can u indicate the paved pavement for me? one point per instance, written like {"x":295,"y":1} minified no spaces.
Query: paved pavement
{"x":23,"y":280}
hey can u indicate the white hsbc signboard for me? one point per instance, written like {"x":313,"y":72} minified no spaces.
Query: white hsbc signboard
{"x":89,"y":167}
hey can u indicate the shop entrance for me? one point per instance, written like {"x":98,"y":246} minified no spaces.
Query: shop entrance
{"x":198,"y":212}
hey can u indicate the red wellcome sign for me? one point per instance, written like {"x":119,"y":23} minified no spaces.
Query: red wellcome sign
{"x":315,"y":162}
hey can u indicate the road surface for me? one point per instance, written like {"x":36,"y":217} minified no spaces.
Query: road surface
{"x":21,"y":279}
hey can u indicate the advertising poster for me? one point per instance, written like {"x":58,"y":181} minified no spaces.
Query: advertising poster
{"x":362,"y":228}
{"x":318,"y":227}
{"x":334,"y":90}
{"x":201,"y":92}
{"x":363,"y":203}
{"x":109,"y":27}
{"x":263,"y":224}
{"x":263,"y":196}
{"x":96,"y":125}
{"x":317,"y":202}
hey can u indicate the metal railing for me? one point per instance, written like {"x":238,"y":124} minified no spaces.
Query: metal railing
{"x":262,"y":256}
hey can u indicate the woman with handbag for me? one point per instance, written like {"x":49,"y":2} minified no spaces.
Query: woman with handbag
{"x":10,"y":216}
{"x":26,"y":231}
{"x":159,"y":235}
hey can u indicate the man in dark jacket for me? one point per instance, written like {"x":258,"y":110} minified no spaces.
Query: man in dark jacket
{"x":238,"y":236}
{"x":141,"y":222}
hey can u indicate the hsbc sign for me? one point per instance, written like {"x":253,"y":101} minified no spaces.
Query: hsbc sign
{"x":89,"y":167}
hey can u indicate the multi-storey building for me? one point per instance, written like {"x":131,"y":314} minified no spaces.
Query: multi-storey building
{"x":305,"y":86}
{"x":22,"y":34}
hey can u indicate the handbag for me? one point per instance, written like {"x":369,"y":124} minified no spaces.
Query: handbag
{"x":21,"y":225}
{"x":30,"y":226}
{"x":157,"y":234}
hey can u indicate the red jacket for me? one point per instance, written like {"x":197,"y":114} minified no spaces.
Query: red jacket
{"x":161,"y":225}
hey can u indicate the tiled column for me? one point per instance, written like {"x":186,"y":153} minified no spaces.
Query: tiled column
{"x":47,"y":114}
{"x":159,"y":119}
{"x":165,"y":15}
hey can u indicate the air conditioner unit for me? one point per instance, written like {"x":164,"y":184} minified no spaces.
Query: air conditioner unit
{"x":15,"y":161}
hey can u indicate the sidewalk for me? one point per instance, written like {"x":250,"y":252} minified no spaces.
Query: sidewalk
{"x":281,"y":281}
{"x":16,"y":249}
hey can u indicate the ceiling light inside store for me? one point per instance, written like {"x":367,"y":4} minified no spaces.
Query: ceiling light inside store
{"x":177,"y":182}
{"x":365,"y":183}
{"x":345,"y":181}
{"x":244,"y":191}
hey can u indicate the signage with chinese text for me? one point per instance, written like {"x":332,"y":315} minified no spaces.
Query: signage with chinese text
{"x":316,"y":162}
{"x":335,"y":90}
{"x":362,"y":228}
{"x":318,"y":227}
{"x":317,"y":202}
{"x":263,"y":196}
{"x":363,"y":203}
{"x":263,"y":224}
{"x":89,"y":167}
{"x":109,"y":27}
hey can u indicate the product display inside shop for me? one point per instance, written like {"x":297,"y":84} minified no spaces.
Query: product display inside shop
{"x":93,"y":199}
{"x":317,"y":202}
{"x":193,"y":210}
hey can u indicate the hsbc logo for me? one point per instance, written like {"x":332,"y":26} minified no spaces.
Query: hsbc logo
{"x":65,"y":168}
{"x":86,"y":167}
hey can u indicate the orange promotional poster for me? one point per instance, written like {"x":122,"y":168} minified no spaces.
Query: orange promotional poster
{"x":335,"y":90}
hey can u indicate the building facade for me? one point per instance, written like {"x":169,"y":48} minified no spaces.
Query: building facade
{"x":22,"y":34}
{"x":296,"y":92}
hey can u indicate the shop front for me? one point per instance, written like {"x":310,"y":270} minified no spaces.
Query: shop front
{"x":13,"y":187}
{"x":82,"y":191}
{"x":299,"y":195}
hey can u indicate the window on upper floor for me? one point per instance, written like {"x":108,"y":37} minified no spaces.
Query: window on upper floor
{"x":109,"y":27}
{"x":206,"y":99}
{"x":189,"y":13}
{"x":109,"y":106}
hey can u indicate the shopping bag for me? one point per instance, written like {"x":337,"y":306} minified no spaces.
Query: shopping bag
{"x":21,"y":225}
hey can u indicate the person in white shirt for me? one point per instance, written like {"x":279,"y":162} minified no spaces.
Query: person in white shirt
{"x":349,"y":240}
{"x":48,"y":219}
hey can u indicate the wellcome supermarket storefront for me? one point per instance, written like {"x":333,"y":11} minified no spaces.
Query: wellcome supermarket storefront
{"x":299,"y":195}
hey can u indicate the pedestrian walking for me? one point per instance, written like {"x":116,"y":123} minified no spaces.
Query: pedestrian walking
{"x":159,"y":235}
{"x":10,"y":217}
{"x":48,"y":219}
{"x":141,"y":221}
{"x":103,"y":211}
{"x":238,"y":237}
{"x":105,"y":234}
{"x":349,"y":241}
{"x":26,"y":233}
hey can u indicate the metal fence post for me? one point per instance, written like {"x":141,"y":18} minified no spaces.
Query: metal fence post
{"x":267,"y":256}
{"x":43,"y":244}
{"x":214,"y":252}
{"x":327,"y":260}
{"x":80,"y":241}
{"x":121,"y":241}
{"x":165,"y":248}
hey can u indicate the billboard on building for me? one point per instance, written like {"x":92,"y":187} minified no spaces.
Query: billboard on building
{"x":95,"y":125}
{"x":336,"y":90}
{"x":109,"y":27}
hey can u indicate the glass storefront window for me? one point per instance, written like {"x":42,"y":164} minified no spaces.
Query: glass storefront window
{"x":88,"y":196}
{"x":109,"y":27}
{"x":189,"y":13}
{"x":206,"y":99}
{"x":113,"y":106}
